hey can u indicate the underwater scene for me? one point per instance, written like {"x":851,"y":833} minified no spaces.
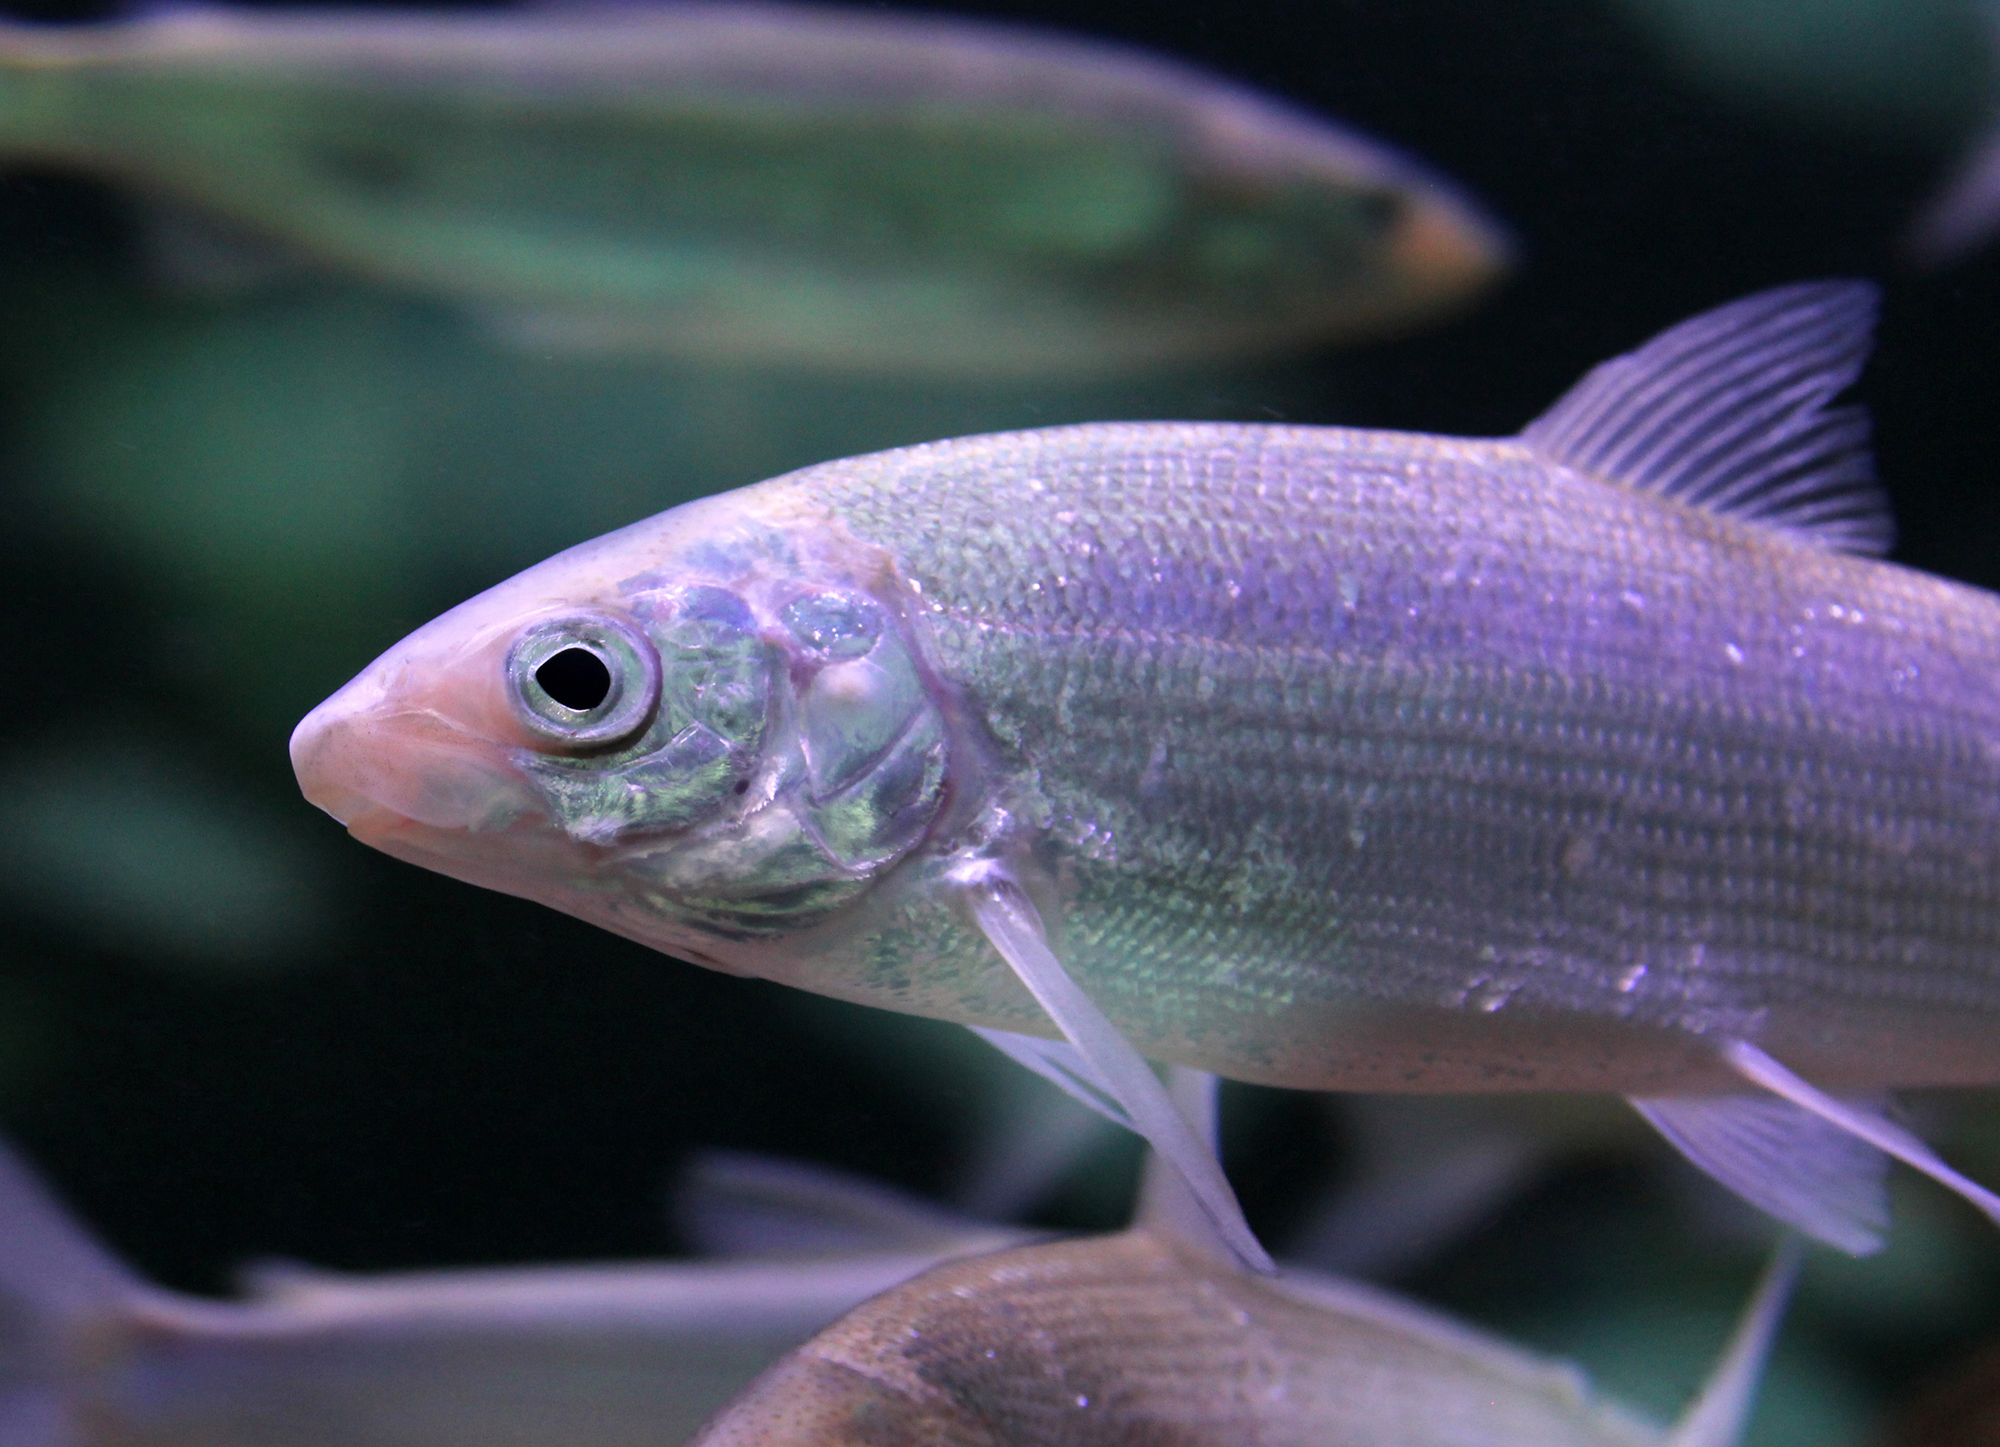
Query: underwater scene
{"x":1420,"y":652}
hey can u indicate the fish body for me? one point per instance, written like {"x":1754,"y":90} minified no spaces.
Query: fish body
{"x":1335,"y":759}
{"x":1157,"y":1335}
{"x":580,"y":1356}
{"x":1135,"y":1338}
{"x":762,"y":182}
{"x":1592,"y":759}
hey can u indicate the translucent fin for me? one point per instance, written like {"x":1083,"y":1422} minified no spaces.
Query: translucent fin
{"x":1784,"y":1160}
{"x":1729,"y":412}
{"x":1719,"y":1413}
{"x":1032,"y":1138}
{"x":1402,"y":1209}
{"x":1858,"y":1120}
{"x":1109,"y":1062}
{"x":53,"y":1278}
{"x":275,"y":1278}
{"x":1063,"y":1066}
{"x":1965,"y":214}
{"x":738,"y":1205}
{"x":1166,"y":1205}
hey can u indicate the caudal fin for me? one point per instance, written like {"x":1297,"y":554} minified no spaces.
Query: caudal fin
{"x":53,"y":1276}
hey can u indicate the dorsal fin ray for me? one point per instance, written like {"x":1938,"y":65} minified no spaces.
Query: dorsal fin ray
{"x":1730,"y":411}
{"x":1721,"y":1410}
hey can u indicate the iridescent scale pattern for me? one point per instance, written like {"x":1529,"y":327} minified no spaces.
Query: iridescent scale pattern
{"x":1317,"y":719}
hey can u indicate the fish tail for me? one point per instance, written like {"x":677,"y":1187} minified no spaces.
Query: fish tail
{"x":54,"y":1278}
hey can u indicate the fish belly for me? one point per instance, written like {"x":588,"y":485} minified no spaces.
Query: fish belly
{"x":1355,"y":759}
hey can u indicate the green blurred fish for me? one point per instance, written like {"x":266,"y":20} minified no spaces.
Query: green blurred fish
{"x":763,"y":182}
{"x":1600,"y":758}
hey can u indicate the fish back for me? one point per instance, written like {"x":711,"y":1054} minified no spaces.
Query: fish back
{"x":1125,"y":1339}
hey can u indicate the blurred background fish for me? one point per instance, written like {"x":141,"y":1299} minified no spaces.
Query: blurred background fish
{"x":1965,"y":213}
{"x":1859,"y":67}
{"x":735,"y":182}
{"x":589,"y":1356}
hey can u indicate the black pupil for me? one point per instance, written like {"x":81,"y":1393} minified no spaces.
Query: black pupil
{"x":576,"y":678}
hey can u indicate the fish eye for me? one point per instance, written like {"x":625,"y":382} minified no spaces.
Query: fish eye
{"x":583,"y":681}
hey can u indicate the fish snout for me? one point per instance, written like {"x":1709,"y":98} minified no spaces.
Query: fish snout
{"x":360,"y":757}
{"x":1446,"y":246}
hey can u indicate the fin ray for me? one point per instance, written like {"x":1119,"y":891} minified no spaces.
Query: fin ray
{"x":1783,"y":1160}
{"x":1721,"y":1409}
{"x":1858,"y":1121}
{"x":1010,"y":923}
{"x":1729,"y":411}
{"x":1063,"y":1066}
{"x":742,"y":1206}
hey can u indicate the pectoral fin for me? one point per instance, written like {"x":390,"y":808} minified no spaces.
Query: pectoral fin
{"x":1104,"y":1069}
{"x":1063,"y":1066}
{"x":1719,"y":1413}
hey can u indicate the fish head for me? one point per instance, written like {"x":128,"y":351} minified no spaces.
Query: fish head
{"x":1292,"y":215}
{"x":710,"y":728}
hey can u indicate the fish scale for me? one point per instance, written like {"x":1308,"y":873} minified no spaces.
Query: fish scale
{"x":1472,"y":743}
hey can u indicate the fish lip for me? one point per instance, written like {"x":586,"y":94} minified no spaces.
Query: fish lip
{"x":384,"y":760}
{"x":310,"y":742}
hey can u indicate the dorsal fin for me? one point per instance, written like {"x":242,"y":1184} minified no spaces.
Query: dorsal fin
{"x":1729,"y":411}
{"x":1720,"y":1412}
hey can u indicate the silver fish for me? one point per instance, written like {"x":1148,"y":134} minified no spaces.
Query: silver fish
{"x":1601,"y":758}
{"x":1156,"y":1336}
{"x":763,"y":182}
{"x":628,"y":1355}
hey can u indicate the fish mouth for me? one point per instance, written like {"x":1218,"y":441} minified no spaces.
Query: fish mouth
{"x":379,"y":768}
{"x":1449,"y":246}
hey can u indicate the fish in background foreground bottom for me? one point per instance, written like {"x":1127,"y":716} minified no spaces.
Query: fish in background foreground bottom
{"x":1602,"y":758}
{"x":1090,"y":1337}
{"x":1156,"y":1335}
{"x":629,"y":1354}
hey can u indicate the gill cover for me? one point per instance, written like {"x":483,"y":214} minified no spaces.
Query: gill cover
{"x":748,"y":758}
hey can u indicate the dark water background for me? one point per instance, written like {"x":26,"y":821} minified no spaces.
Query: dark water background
{"x":364,"y":1066}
